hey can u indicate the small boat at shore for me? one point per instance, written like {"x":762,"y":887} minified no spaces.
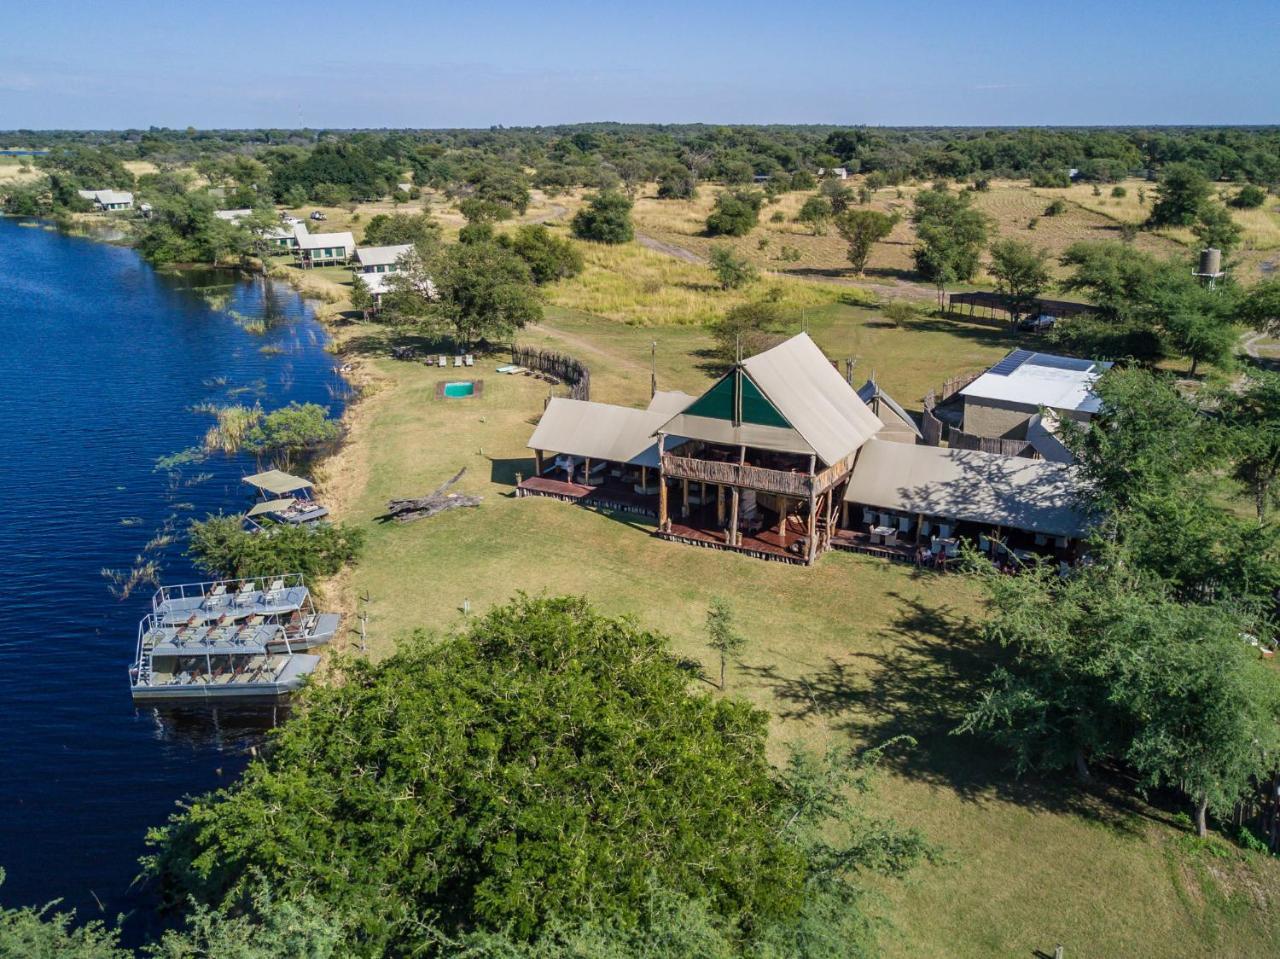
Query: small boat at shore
{"x":228,"y":639}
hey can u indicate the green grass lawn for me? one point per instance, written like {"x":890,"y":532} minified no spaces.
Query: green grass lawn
{"x":852,"y":649}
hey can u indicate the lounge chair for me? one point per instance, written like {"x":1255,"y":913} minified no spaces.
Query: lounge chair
{"x":444,"y":361}
{"x":469,"y":360}
{"x":457,"y":361}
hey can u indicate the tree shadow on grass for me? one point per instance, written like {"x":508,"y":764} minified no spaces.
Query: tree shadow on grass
{"x":933,"y":668}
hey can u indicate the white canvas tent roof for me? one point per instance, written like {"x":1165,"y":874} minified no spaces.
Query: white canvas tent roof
{"x":801,"y":382}
{"x":826,"y":415}
{"x":375,"y":283}
{"x":670,"y":402}
{"x":381,"y":255}
{"x":600,"y":431}
{"x":1015,"y":492}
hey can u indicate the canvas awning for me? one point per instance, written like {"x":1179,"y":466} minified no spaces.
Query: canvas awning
{"x":1014,"y":492}
{"x":277,"y":482}
{"x":601,"y":431}
{"x":269,"y":506}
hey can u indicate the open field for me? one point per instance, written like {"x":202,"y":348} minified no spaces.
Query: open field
{"x":1012,"y":205}
{"x":853,"y":649}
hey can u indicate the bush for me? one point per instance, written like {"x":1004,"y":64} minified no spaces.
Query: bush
{"x":677,"y":182}
{"x":221,"y":546}
{"x":605,"y":219}
{"x":292,"y":431}
{"x":732,"y":270}
{"x":777,"y":217}
{"x":550,"y":257}
{"x":735,"y":214}
{"x":1050,"y":179}
{"x":1119,"y":192}
{"x":1250,"y":197}
{"x":754,"y":326}
{"x":1056,"y":208}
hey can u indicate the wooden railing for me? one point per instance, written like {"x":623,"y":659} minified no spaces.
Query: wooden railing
{"x":560,"y":365}
{"x":960,"y":440}
{"x":799,"y":485}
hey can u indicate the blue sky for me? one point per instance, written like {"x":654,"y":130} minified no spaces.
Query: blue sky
{"x":136,"y":63}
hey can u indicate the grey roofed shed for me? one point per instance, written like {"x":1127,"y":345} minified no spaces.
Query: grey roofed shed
{"x":600,"y":431}
{"x":1025,"y":494}
{"x":278,"y":482}
{"x":895,"y":419}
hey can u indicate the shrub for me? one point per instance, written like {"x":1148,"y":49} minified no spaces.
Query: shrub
{"x":221,"y":546}
{"x":1056,"y":208}
{"x":731,"y":269}
{"x":1250,"y":197}
{"x":605,"y":219}
{"x":550,"y":257}
{"x":736,"y":213}
{"x":777,"y":217}
{"x":677,"y":182}
{"x":1050,"y":179}
{"x":1119,"y":192}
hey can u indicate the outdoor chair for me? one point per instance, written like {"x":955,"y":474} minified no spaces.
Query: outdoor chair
{"x":469,"y":360}
{"x":457,"y":361}
{"x":891,"y":538}
{"x":444,"y":361}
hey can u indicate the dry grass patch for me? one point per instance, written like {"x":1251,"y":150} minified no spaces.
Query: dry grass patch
{"x":632,"y":284}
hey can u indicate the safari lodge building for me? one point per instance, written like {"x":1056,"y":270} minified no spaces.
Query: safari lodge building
{"x":782,"y":459}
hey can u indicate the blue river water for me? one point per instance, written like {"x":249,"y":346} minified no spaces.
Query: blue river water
{"x":103,"y":364}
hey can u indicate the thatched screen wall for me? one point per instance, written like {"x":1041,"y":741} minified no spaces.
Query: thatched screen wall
{"x":560,"y":365}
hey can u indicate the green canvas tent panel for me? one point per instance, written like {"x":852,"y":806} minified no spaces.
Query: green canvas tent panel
{"x":717,"y":404}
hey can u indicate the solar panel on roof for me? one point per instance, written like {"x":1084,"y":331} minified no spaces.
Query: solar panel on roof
{"x":1011,"y":362}
{"x":1063,"y":362}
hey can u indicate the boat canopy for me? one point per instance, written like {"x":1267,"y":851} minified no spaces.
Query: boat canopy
{"x":269,"y":506}
{"x":277,"y":482}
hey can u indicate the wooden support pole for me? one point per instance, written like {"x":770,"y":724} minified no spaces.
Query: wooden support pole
{"x":684,"y":499}
{"x":586,"y":471}
{"x":644,"y":478}
{"x":731,"y":534}
{"x":664,"y":521}
{"x":811,"y":547}
{"x":720,"y":506}
{"x":537,"y":460}
{"x":844,"y":515}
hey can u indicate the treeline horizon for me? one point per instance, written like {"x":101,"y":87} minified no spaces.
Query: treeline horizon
{"x":735,"y":152}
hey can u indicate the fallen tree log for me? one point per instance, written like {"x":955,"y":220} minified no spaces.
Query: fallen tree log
{"x":435,"y":502}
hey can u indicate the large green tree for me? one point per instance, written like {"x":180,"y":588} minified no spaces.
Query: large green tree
{"x":735,"y":213}
{"x":1181,"y":192}
{"x":542,"y":770}
{"x":861,"y":231}
{"x":1021,"y":273}
{"x":1251,"y":412}
{"x":548,"y":256}
{"x":951,"y":235}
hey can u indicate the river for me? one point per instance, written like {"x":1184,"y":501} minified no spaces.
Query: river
{"x":103,"y":365}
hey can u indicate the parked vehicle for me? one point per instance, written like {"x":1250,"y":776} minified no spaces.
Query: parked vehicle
{"x":318,"y":215}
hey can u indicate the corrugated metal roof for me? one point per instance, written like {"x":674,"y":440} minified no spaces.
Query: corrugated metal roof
{"x":824,"y":409}
{"x":1019,"y":493}
{"x":1041,"y":379}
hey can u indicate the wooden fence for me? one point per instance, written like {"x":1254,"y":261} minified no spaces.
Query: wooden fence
{"x":559,"y":365}
{"x":960,"y":440}
{"x":931,"y":428}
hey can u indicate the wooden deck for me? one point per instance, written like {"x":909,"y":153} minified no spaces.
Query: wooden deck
{"x":856,"y":542}
{"x":610,"y":495}
{"x":699,"y":529}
